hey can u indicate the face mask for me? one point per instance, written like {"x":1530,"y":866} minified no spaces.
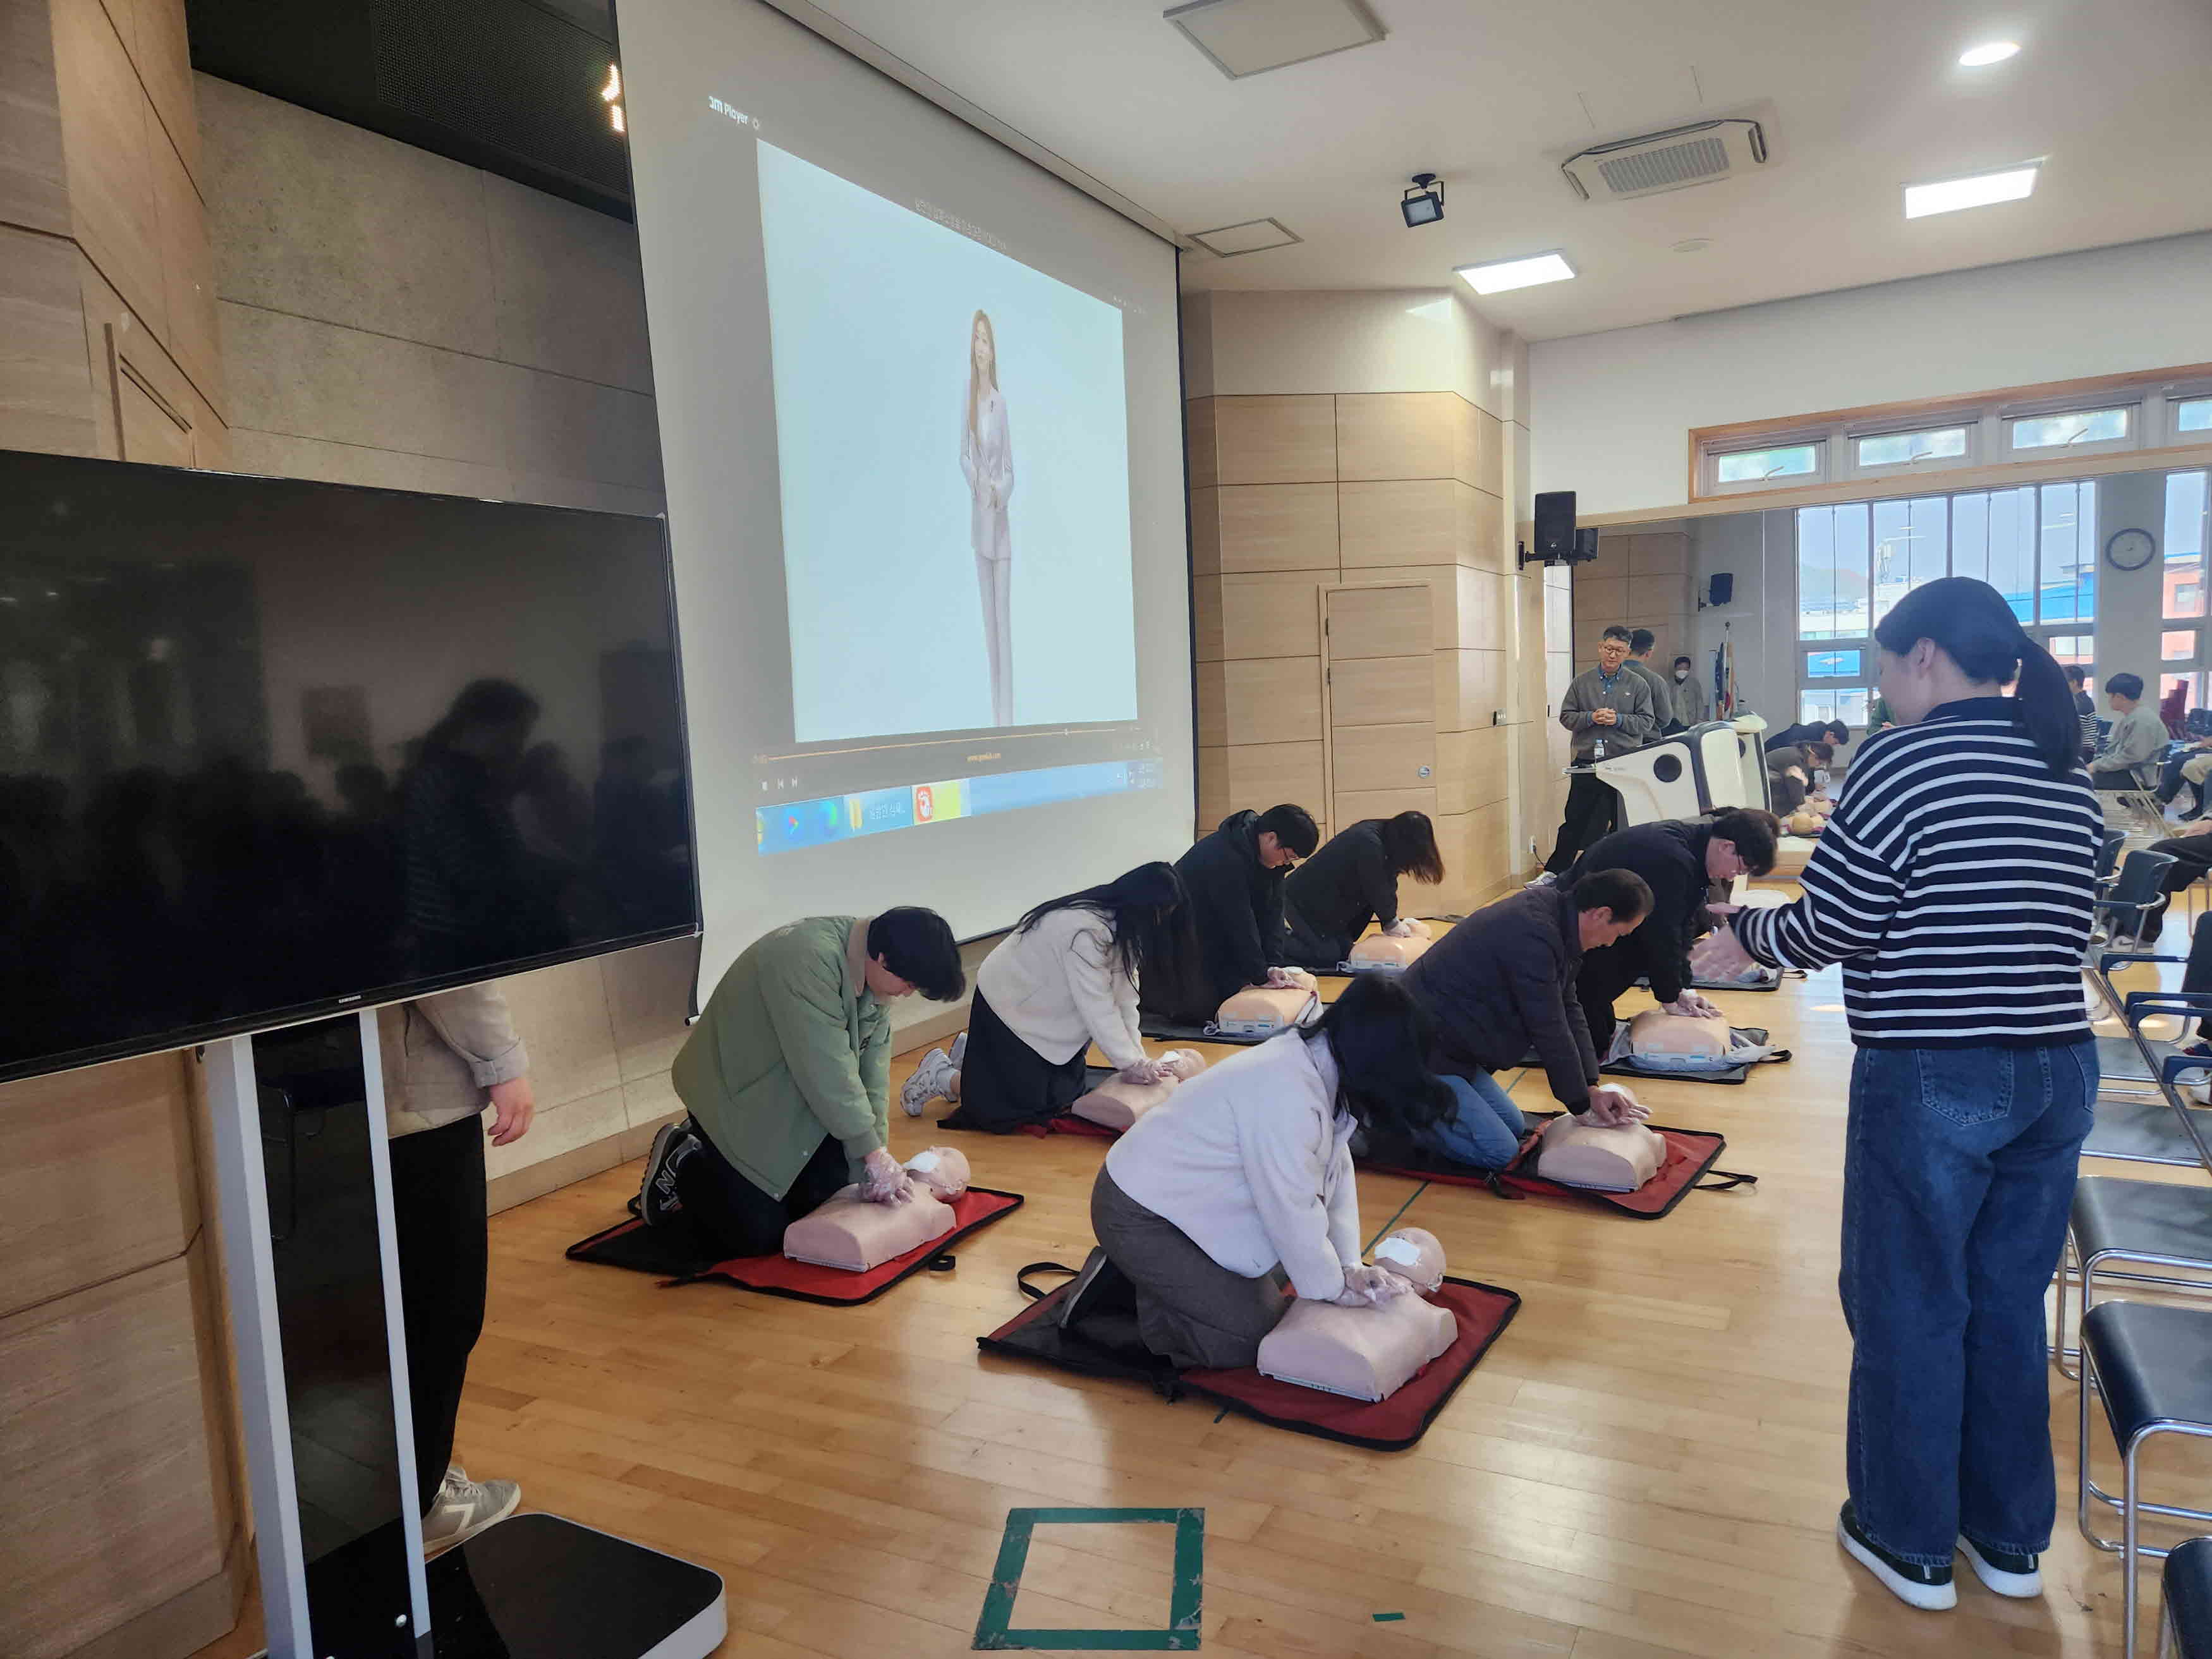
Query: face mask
{"x":1681,"y":673}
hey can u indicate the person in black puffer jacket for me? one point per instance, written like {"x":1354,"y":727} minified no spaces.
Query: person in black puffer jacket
{"x":1328,"y":900}
{"x":1233,"y":884}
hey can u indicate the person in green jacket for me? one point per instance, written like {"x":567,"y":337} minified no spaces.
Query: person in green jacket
{"x":786,"y":1077}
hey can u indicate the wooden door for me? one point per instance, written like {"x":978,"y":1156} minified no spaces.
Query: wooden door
{"x":1379,"y":703}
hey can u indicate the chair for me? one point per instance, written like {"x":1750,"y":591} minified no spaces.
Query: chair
{"x":2185,"y":1610}
{"x":2139,"y":892}
{"x":2151,"y":1365}
{"x":2172,"y":707}
{"x":2108,"y":855}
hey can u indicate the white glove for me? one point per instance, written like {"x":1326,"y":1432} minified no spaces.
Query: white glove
{"x":882,"y":1180}
{"x":1612,"y":1106}
{"x":1280,"y":979}
{"x":1144,"y":1071}
{"x":1695,"y":1006}
{"x":1187,"y":1063}
{"x":1370,"y":1287}
{"x":1401,"y":928}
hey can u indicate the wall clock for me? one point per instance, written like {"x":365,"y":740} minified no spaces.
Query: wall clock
{"x":2129,"y":549}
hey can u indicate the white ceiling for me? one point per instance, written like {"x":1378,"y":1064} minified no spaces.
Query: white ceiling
{"x":1861,"y":98}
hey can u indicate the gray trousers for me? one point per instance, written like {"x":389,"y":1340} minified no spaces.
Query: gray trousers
{"x":1191,"y":1311}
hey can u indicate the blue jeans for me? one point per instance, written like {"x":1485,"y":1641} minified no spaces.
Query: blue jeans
{"x":1957,"y":1179}
{"x":1486,"y":1126}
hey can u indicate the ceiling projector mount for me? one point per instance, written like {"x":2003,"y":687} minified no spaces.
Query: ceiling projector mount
{"x":1424,"y":203}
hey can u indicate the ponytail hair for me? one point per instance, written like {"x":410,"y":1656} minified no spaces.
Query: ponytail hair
{"x":1971,"y":622}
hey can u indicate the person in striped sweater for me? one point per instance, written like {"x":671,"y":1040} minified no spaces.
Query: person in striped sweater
{"x":1954,"y":883}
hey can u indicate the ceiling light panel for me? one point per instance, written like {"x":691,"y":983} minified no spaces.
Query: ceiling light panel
{"x":1975,"y":190}
{"x":1250,"y":37}
{"x":1253,"y":236}
{"x":1501,"y":275}
{"x":1990,"y":52}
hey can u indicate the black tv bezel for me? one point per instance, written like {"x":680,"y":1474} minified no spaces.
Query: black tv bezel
{"x":193,"y":1036}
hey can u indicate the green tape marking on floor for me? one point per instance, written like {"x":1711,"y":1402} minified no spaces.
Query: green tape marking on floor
{"x":1386,"y":1618}
{"x":994,"y":1634}
{"x":1401,"y":1210}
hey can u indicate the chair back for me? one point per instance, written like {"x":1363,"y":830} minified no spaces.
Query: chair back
{"x":2108,"y":853}
{"x":2172,"y":706}
{"x":2140,"y":876}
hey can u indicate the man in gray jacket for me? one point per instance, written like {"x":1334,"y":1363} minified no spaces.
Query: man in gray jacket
{"x":446,"y":1058}
{"x":1610,"y":711}
{"x":2129,"y":758}
{"x":1640,"y":646}
{"x":1692,"y":698}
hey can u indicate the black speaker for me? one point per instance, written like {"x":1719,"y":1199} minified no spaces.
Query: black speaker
{"x":1585,"y":545}
{"x":1723,"y":587}
{"x":1555,"y":524}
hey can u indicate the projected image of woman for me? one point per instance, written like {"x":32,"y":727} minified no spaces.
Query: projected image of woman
{"x":987,"y":458}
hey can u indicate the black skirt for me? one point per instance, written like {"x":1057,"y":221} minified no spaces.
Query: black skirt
{"x":1306,"y":946}
{"x":1005,"y":1085}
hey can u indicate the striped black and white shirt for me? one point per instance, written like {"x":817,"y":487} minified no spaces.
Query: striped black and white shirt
{"x":1955,"y":883}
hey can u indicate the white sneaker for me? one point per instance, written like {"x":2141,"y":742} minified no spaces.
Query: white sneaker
{"x":931,"y":1078}
{"x":465,"y":1508}
{"x":960,"y":1051}
{"x":1547,"y":880}
{"x":2017,"y":1575}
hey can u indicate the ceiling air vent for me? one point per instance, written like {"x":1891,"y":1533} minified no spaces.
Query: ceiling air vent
{"x":1674,"y":159}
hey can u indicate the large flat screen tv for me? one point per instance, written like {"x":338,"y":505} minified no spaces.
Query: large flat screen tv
{"x":272,"y":749}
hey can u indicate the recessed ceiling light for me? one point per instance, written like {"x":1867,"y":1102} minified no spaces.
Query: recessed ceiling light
{"x":1693,"y":245}
{"x":1499,"y":275}
{"x":1975,"y":190}
{"x":1990,"y":52}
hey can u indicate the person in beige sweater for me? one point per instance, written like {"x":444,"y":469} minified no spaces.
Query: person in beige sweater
{"x":446,"y":1060}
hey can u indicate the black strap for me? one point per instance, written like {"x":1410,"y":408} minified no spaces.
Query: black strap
{"x":943,"y":1262}
{"x":1498,"y":1188}
{"x":1723,"y":1181}
{"x":1022,"y":1277}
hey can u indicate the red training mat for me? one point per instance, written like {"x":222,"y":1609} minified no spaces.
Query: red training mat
{"x":1690,"y":1155}
{"x":634,"y":1245}
{"x":1068,"y":1124}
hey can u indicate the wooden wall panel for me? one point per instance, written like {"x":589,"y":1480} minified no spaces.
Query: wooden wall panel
{"x":1658,"y":596}
{"x":1206,"y":531}
{"x":1378,"y":621}
{"x":1479,"y":450}
{"x":47,"y":392}
{"x":1396,"y":434}
{"x":1472,"y":768}
{"x":1399,"y":522}
{"x":1481,"y":610}
{"x":1287,"y":526}
{"x":1666,"y":553}
{"x":1441,"y":581}
{"x":1352,"y":805}
{"x":34,"y":180}
{"x":1598,"y":600}
{"x":1260,"y":775}
{"x":1206,"y":619}
{"x":1212,"y":788}
{"x":1380,"y":692}
{"x":105,"y":117}
{"x":1470,"y":689}
{"x":1273,"y":614}
{"x":187,"y":269}
{"x":1386,"y":756}
{"x":1199,"y":433}
{"x":1481,"y":531}
{"x":1275,"y":439}
{"x":1272,"y":700}
{"x":161,"y":53}
{"x":1210,"y":692}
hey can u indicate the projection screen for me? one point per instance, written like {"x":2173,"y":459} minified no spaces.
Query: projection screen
{"x":921,"y":420}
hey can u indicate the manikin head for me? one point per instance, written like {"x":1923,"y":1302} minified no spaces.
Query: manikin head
{"x":1611,"y":904}
{"x":943,"y":1171}
{"x":1414,"y":1255}
{"x":1613,"y":650}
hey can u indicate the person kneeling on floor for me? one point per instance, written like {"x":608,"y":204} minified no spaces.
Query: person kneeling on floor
{"x":1242,"y":1179}
{"x":1233,"y":882}
{"x":786,"y":1077}
{"x":1065,"y":978}
{"x":1681,"y":861}
{"x":1328,"y":899}
{"x":1501,"y":985}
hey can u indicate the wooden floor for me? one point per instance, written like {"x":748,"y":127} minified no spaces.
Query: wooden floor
{"x":1648,"y":1461}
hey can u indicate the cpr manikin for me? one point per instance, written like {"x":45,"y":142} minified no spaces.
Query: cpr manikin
{"x":1389,"y":952}
{"x":986,"y":460}
{"x":849,"y":1231}
{"x":1605,"y":1158}
{"x":1655,"y":1033}
{"x":1117,"y":1103}
{"x":1368,"y":1352}
{"x":1264,"y":1009}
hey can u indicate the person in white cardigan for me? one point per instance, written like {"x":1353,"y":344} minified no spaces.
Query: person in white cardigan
{"x":1236,"y":1194}
{"x":1064,"y":979}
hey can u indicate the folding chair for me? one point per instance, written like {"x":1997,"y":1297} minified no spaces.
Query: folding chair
{"x":2139,"y":893}
{"x":2184,"y":1604}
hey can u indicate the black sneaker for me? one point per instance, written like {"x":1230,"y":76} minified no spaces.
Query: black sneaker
{"x":656,"y":1195}
{"x":1100,"y":1288}
{"x":1927,"y":1588}
{"x":2006,"y":1571}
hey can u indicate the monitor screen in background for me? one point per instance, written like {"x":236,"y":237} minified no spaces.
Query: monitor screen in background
{"x":921,"y":425}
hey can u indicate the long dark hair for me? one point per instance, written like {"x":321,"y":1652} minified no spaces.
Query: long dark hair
{"x":1380,"y":1036}
{"x":1976,"y":630}
{"x":1144,"y":906}
{"x":1409,"y":845}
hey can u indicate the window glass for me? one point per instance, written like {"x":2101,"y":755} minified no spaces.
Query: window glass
{"x":2184,"y":545}
{"x":2177,"y":644}
{"x":2086,"y":425}
{"x":1784,"y":461}
{"x":1911,"y":545}
{"x":1832,"y":572}
{"x":1834,"y":664}
{"x":2194,"y":415}
{"x":1848,"y":705}
{"x":2068,"y":541}
{"x":1894,"y":448}
{"x":2071,"y":648}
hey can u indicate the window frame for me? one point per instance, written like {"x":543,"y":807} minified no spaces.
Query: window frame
{"x":1818,"y":442}
{"x":1914,"y":467}
{"x":2007,"y":419}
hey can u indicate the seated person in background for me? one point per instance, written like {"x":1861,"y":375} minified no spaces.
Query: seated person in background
{"x":1610,"y":711}
{"x":2189,"y":765}
{"x":1328,"y":902}
{"x":1502,"y":984}
{"x":1064,"y":979}
{"x":786,"y":1077}
{"x":1232,"y":881}
{"x":2129,"y":758}
{"x":1692,"y":698}
{"x":2191,"y":849}
{"x":1680,"y":862}
{"x":1792,"y":737}
{"x":1244,"y":1177}
{"x":1790,"y":774}
{"x":2084,"y":705}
